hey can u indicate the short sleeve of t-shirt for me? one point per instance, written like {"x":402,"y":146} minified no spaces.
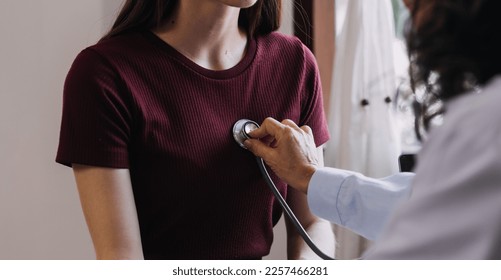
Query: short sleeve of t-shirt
{"x":312,"y":113}
{"x":96,"y":118}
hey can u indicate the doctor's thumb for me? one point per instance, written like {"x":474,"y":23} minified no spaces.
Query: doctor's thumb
{"x":258,"y":148}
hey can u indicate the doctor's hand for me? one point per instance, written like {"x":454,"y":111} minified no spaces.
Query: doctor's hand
{"x":289,"y":150}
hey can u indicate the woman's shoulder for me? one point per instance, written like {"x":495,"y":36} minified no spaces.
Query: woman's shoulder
{"x":282,"y":39}
{"x":277,"y":44}
{"x":115,"y":52}
{"x":121,"y":44}
{"x":276,"y":41}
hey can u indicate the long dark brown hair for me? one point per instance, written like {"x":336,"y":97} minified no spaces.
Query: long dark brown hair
{"x":260,"y":19}
{"x":454,"y":46}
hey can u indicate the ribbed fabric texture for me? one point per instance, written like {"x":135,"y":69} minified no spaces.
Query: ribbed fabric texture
{"x":135,"y":102}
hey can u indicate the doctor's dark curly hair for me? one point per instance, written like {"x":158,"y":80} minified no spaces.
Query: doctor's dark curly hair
{"x":454,"y":46}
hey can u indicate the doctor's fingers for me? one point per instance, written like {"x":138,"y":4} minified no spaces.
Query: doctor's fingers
{"x":308,"y":134}
{"x":268,"y":140}
{"x":270,"y":126}
{"x":304,"y":130}
{"x":271,"y":131}
{"x":260,"y":149}
{"x":291,"y":124}
{"x":307,"y":130}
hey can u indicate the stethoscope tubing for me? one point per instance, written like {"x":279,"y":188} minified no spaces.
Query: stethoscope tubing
{"x":288,"y":211}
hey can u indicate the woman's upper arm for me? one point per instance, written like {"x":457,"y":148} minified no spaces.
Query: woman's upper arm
{"x":299,"y":202}
{"x":318,"y":229}
{"x":110,"y":211}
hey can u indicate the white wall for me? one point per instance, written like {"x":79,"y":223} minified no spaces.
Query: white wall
{"x":40,"y":215}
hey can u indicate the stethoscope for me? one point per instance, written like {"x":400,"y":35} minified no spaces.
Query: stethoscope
{"x":241,"y":130}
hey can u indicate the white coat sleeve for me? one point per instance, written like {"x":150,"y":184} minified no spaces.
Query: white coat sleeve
{"x":357,"y":202}
{"x":455,"y":208}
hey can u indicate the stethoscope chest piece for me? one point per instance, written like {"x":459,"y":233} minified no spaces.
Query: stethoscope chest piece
{"x":241,"y":129}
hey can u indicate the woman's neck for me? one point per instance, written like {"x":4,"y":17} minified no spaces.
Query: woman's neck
{"x":206,"y":32}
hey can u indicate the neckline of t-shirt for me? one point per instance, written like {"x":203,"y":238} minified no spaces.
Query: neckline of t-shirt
{"x":215,"y":74}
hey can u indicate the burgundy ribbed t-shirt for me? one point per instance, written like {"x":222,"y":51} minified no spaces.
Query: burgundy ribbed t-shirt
{"x":135,"y":102}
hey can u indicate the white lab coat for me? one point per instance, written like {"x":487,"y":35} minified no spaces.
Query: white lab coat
{"x":454,"y":211}
{"x":455,"y":208}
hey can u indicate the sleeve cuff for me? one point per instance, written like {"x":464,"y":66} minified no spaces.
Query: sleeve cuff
{"x":323,"y":193}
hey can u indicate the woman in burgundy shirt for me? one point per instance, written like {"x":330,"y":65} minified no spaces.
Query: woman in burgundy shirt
{"x":146,"y":127}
